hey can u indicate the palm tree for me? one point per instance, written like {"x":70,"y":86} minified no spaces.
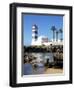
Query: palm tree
{"x":61,"y":31}
{"x":53,"y":29}
{"x":57,"y":35}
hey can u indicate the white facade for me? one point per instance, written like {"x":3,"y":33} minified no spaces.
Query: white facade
{"x":42,"y":40}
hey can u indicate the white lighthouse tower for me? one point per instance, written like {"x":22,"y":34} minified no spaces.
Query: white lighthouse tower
{"x":34,"y":34}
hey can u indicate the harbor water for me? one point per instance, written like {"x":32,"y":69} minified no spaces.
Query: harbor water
{"x":39,"y":61}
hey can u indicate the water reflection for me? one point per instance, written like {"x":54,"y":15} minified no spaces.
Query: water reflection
{"x":37,"y":65}
{"x":27,"y":69}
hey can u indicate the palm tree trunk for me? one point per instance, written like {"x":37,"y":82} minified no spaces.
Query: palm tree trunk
{"x":53,"y":35}
{"x":56,"y":36}
{"x":61,"y":37}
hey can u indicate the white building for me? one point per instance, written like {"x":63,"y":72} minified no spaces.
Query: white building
{"x":42,"y":40}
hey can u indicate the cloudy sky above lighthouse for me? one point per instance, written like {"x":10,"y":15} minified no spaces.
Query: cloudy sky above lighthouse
{"x":44,"y":22}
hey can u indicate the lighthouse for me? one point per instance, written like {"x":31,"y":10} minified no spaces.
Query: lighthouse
{"x":34,"y":34}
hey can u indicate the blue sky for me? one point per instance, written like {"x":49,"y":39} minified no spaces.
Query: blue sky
{"x":44,"y":22}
